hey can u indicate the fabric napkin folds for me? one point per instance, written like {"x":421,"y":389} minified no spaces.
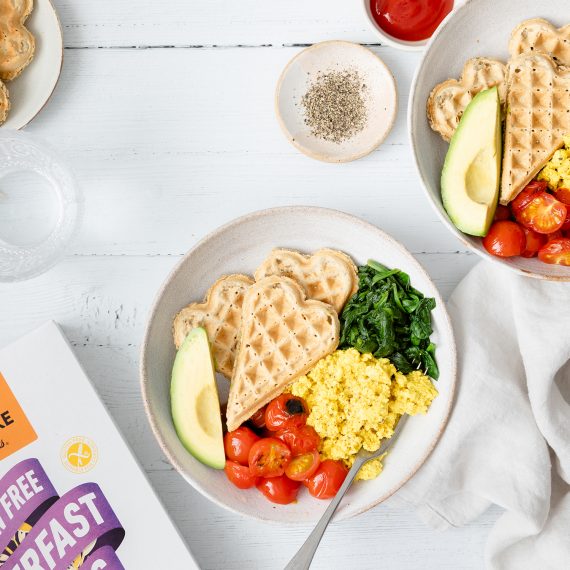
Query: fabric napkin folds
{"x":508,"y":437}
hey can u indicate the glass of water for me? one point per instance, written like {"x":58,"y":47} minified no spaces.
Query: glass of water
{"x":40,"y":206}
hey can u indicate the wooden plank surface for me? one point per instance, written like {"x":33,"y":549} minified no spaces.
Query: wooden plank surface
{"x":170,"y":142}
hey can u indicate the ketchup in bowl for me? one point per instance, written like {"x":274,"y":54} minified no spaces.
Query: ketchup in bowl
{"x":410,"y":20}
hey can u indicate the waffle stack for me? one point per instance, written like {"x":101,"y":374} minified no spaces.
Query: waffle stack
{"x":267,"y":333}
{"x":535,"y":87}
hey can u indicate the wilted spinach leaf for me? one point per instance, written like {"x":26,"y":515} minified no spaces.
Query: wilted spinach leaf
{"x":390,"y":319}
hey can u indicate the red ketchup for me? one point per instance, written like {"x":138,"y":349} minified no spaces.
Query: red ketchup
{"x":410,"y":20}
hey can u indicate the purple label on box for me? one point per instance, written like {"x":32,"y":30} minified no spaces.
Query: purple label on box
{"x":103,"y":559}
{"x":79,"y":518}
{"x":23,"y":490}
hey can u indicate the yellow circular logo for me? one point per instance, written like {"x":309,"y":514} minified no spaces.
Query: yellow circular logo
{"x":79,"y":454}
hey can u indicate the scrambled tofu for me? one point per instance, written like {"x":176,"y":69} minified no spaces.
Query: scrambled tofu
{"x":355,"y":401}
{"x":557,"y":170}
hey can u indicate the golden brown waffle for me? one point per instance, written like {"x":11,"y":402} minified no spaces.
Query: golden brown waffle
{"x":540,"y":36}
{"x":283,"y":335}
{"x":449,"y":99}
{"x":220,"y":315}
{"x":538,"y":116}
{"x":17,"y":44}
{"x":4,"y":102}
{"x":327,"y":275}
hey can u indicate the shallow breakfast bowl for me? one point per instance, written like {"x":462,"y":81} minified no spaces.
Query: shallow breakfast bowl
{"x":239,"y":247}
{"x":466,"y":34}
{"x":380,"y":98}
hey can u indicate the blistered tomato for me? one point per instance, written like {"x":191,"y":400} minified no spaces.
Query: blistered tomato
{"x":410,"y":20}
{"x":286,"y":411}
{"x":328,"y":479}
{"x":505,"y":239}
{"x":237,"y":444}
{"x":269,"y":457}
{"x":300,"y":440}
{"x":556,"y":251}
{"x":303,"y":466}
{"x":281,"y":490}
{"x":240,"y":475}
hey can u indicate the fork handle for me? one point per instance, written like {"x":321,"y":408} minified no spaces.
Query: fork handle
{"x":302,"y":560}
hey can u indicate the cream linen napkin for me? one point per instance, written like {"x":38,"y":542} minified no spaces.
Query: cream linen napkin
{"x":508,"y":437}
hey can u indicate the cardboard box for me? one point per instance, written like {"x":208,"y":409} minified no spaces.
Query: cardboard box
{"x":71,"y":493}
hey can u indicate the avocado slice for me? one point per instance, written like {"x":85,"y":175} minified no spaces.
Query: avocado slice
{"x":194,"y":400}
{"x":471,"y":174}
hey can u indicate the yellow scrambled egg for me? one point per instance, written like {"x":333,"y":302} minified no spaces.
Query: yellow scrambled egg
{"x":355,"y":401}
{"x":557,"y":169}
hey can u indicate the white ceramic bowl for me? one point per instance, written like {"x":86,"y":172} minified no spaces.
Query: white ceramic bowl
{"x":239,"y":247}
{"x":381,"y":99}
{"x":466,"y":34}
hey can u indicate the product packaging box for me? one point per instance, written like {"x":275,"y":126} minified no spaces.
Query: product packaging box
{"x":71,"y":493}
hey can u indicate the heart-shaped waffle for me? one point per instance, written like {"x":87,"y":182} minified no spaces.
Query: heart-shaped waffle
{"x":220,"y":314}
{"x":327,"y":275}
{"x":538,"y":117}
{"x":283,"y":335}
{"x":448,"y":100}
{"x":540,"y":36}
{"x":17,"y":44}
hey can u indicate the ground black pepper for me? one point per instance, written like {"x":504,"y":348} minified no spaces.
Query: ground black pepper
{"x":335,"y":106}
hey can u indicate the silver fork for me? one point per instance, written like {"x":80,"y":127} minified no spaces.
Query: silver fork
{"x":302,"y":560}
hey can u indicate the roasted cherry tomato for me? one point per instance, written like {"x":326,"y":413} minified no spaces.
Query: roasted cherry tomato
{"x":258,"y":419}
{"x":286,"y":411}
{"x":563,"y":194}
{"x":269,"y":457}
{"x":237,"y":444}
{"x":543,"y":213}
{"x":326,"y":482}
{"x":566,"y":225}
{"x":556,"y":251}
{"x":240,"y":475}
{"x":505,"y":239}
{"x":303,"y":466}
{"x":300,"y":440}
{"x":502,"y":213}
{"x":280,"y":490}
{"x":534,"y":241}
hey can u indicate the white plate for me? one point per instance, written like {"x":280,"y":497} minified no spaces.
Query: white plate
{"x":479,"y":28}
{"x":239,"y":247}
{"x":381,"y":99}
{"x":32,"y":89}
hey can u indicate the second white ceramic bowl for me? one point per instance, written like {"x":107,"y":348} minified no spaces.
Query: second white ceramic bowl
{"x":478,"y":28}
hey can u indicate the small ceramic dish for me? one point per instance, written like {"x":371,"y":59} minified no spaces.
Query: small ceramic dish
{"x":30,"y":91}
{"x":464,"y":35}
{"x":239,"y":247}
{"x":390,"y":40}
{"x":380,"y":99}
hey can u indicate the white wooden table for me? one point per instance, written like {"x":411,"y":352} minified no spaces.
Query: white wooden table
{"x":165,"y":112}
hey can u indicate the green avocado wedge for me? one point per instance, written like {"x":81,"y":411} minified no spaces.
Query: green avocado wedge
{"x":471,"y":173}
{"x":194,"y":400}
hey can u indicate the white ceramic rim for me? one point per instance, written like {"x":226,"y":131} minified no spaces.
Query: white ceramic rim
{"x":322,"y":156}
{"x":49,"y":96}
{"x":294,"y":209}
{"x":425,"y":186}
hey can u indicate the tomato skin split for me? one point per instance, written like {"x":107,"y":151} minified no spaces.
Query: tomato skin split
{"x":556,"y":251}
{"x":328,"y":479}
{"x":269,"y":457}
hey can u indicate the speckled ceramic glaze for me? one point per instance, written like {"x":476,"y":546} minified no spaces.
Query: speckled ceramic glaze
{"x":479,"y":28}
{"x":239,"y":247}
{"x":380,"y":98}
